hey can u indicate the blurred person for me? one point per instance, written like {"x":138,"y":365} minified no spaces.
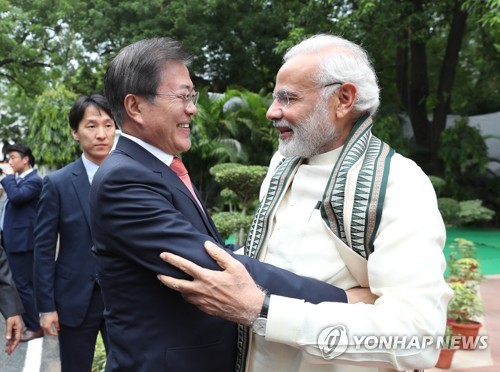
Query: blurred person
{"x":341,"y":206}
{"x":143,"y":203}
{"x":22,"y":185}
{"x":68,"y":295}
{"x":10,"y":305}
{"x":3,"y":194}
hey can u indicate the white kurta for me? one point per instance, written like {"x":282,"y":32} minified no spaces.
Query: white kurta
{"x":405,"y":270}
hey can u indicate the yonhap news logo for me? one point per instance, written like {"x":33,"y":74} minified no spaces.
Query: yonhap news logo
{"x":334,"y":341}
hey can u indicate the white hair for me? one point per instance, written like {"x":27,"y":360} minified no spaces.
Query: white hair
{"x":344,"y":62}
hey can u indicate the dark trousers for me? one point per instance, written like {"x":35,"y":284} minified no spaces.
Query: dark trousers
{"x":77,"y":344}
{"x":21,"y":265}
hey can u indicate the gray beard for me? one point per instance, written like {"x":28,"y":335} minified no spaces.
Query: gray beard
{"x":315,"y":135}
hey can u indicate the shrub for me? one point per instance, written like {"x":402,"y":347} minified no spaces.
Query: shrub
{"x":438,"y":183}
{"x":472,"y":211}
{"x":229,"y":223}
{"x":449,"y":209}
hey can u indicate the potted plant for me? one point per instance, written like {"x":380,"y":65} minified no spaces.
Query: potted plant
{"x":448,"y":348}
{"x":464,"y":307}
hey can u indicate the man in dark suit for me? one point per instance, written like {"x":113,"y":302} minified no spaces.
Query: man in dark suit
{"x":139,"y":207}
{"x":67,"y":293}
{"x":10,"y":305}
{"x":22,"y":185}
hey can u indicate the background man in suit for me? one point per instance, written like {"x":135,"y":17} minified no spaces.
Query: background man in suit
{"x":377,"y":224}
{"x":22,"y":185}
{"x":10,"y":305}
{"x":140,"y":207}
{"x":68,"y":295}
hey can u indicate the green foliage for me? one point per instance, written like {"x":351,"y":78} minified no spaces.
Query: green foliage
{"x":465,"y":270}
{"x":229,"y":128}
{"x":472,"y":211}
{"x":244,"y":181}
{"x":99,"y":363}
{"x":389,"y":129}
{"x":464,"y":213}
{"x":449,"y":209}
{"x":230,"y":223}
{"x":465,"y":304}
{"x":438,"y":183}
{"x":462,"y":248}
{"x":464,"y":277}
{"x":463,"y":152}
{"x":50,"y":135}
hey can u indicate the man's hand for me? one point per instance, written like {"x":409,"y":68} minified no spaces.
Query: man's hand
{"x":14,"y":328}
{"x":230,"y":294}
{"x":50,"y":323}
{"x":8,"y":170}
{"x":361,"y":294}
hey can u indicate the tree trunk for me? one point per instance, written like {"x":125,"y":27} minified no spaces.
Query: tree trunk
{"x":446,"y":78}
{"x":402,"y":69}
{"x":418,"y":87}
{"x":419,"y":91}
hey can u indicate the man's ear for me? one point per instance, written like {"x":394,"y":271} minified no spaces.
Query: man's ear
{"x":133,"y":106}
{"x":75,"y":134}
{"x":347,"y":95}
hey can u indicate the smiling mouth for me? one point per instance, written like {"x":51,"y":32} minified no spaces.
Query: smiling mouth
{"x":183,"y":126}
{"x":283,"y":129}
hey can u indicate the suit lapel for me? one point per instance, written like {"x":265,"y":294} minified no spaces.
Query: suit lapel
{"x":81,"y":184}
{"x":150,"y":161}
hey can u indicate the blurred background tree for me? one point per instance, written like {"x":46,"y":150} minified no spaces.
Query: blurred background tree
{"x":433,"y":58}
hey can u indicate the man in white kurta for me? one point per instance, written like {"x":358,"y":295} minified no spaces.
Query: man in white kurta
{"x":341,"y":206}
{"x":405,"y":270}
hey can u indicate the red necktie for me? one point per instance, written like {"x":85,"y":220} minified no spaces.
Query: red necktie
{"x":178,"y":167}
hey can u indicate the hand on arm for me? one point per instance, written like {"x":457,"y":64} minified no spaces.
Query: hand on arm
{"x":230,"y":294}
{"x":50,"y":323}
{"x":14,"y":328}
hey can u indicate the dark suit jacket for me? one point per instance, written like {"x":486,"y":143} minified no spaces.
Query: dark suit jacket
{"x":64,"y":285}
{"x":20,"y":211}
{"x":138,"y":209}
{"x":10,"y":303}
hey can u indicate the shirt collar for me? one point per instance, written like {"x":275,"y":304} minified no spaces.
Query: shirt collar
{"x":163,"y":156}
{"x":90,"y":168}
{"x":25,"y":173}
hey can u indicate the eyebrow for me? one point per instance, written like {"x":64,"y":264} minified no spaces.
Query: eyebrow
{"x":189,"y":87}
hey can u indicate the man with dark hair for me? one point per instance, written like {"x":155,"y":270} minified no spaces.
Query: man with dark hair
{"x":142,"y":203}
{"x":68,"y":294}
{"x":22,"y":185}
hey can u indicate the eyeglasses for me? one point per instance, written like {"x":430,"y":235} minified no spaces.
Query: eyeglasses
{"x":186,"y":98}
{"x":285,"y":97}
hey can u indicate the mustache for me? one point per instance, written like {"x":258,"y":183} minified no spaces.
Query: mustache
{"x":281,"y":123}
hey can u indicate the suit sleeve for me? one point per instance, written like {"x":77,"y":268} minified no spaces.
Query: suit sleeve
{"x":136,"y":216}
{"x":46,"y":230}
{"x":24,"y":192}
{"x":10,"y":303}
